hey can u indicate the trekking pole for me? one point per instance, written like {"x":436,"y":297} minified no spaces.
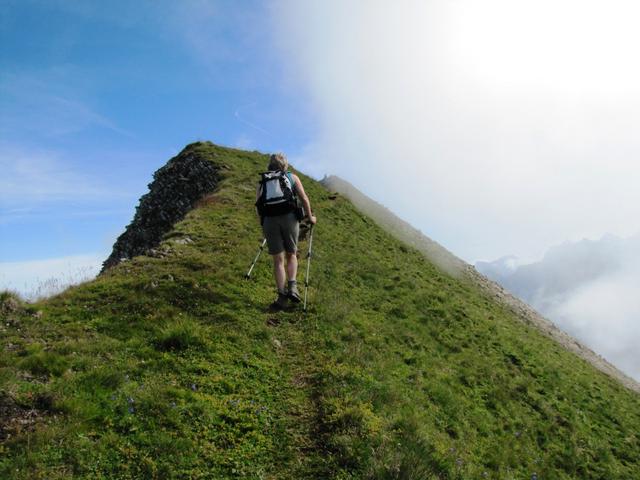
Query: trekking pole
{"x":306,"y":278}
{"x":248,"y":274}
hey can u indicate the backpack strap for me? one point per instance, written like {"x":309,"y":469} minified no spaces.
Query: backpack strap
{"x":263,"y":190}
{"x":293,"y":182}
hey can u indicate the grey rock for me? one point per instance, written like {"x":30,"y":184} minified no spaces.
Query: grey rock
{"x":175,"y":189}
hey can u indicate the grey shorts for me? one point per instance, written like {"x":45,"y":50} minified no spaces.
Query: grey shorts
{"x":281,"y":233}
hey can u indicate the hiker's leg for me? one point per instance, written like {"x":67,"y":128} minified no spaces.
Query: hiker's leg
{"x":291,"y":230}
{"x":278,"y":270}
{"x":292,"y":270}
{"x":292,"y":265}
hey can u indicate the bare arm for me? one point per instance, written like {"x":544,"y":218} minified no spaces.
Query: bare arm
{"x":305,"y":199}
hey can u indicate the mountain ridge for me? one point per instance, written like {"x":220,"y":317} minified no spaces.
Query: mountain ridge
{"x":455,"y":266}
{"x":168,"y":366}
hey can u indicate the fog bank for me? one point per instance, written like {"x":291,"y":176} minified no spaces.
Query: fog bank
{"x":484,"y":133}
{"x":589,"y":289}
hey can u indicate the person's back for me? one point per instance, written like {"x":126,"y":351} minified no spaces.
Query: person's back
{"x":280,"y":219}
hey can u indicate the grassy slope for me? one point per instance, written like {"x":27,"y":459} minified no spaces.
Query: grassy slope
{"x":170,"y":368}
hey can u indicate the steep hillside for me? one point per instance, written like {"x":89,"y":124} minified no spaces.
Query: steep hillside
{"x":168,"y":365}
{"x":397,"y":227}
{"x":457,"y":268}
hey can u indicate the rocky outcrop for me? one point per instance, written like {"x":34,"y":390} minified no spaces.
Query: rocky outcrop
{"x":175,"y":189}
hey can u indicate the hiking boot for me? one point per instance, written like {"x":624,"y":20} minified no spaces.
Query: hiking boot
{"x":280,"y":303}
{"x":292,"y":292}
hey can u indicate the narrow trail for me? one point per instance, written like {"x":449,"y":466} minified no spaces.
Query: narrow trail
{"x":295,"y":336}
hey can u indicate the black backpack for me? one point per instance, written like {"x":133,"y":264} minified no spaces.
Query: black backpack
{"x":277,"y":195}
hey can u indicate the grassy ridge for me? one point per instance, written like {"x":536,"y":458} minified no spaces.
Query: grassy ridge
{"x":170,"y":367}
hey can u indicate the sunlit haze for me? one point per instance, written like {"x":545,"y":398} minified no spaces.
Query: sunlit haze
{"x":568,"y":48}
{"x":496,"y":127}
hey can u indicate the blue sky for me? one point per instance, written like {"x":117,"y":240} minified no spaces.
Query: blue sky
{"x":95,"y":96}
{"x":459,"y":116}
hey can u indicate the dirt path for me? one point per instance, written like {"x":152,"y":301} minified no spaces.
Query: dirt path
{"x":294,"y":336}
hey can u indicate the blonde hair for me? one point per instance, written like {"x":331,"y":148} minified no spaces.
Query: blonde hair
{"x":278,"y":161}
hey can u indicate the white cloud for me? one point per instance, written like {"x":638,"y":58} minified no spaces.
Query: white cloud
{"x":497,"y":128}
{"x":605,"y":314}
{"x":35,"y":279}
{"x":240,"y":115}
{"x":244,"y":142}
{"x":589,"y":289}
{"x":45,"y":104}
{"x":33,"y":177}
{"x":227,"y":41}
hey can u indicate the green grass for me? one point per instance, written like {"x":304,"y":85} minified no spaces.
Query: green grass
{"x":171,"y":368}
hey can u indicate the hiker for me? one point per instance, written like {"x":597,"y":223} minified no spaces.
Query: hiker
{"x":278,"y":200}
